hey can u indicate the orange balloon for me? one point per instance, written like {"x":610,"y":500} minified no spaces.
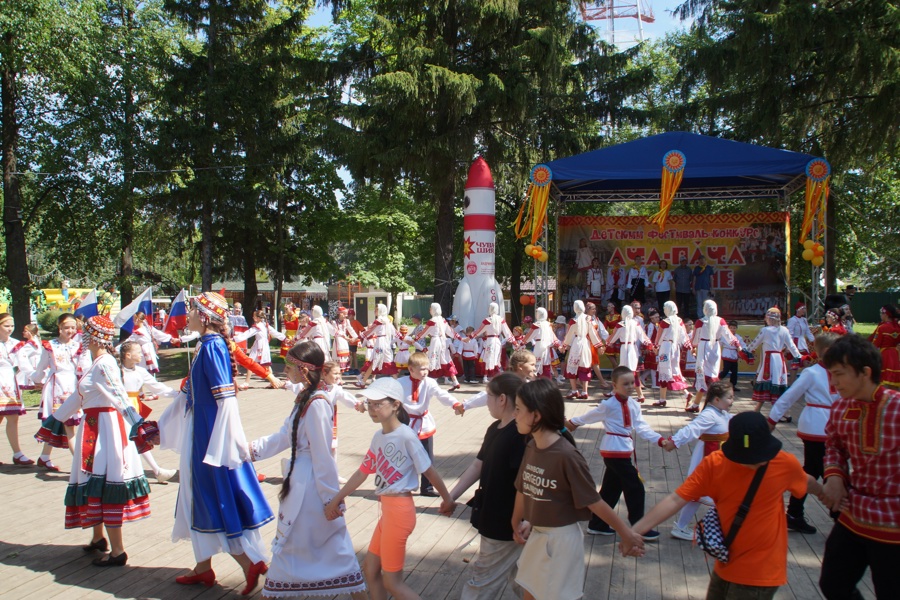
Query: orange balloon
{"x":524,"y":300}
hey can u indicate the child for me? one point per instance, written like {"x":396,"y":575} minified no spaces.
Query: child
{"x":27,"y":354}
{"x":149,"y":337}
{"x":621,"y":416}
{"x":610,"y":321}
{"x":628,"y":335}
{"x":62,"y":363}
{"x":418,"y":391}
{"x":710,"y":427}
{"x":730,"y":356}
{"x":688,"y":366}
{"x":771,"y":379}
{"x":11,"y":405}
{"x":136,"y":378}
{"x":862,"y":474}
{"x":673,"y":342}
{"x":580,"y":337}
{"x":470,"y":350}
{"x":397,"y":459}
{"x":494,"y":470}
{"x":648,"y":377}
{"x":555,"y":491}
{"x":814,"y":387}
{"x":758,"y":554}
{"x":343,"y":334}
{"x":401,"y":351}
{"x":311,"y":550}
{"x":333,"y":386}
{"x":259,"y":352}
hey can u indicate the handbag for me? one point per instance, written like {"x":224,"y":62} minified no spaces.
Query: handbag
{"x":709,"y":529}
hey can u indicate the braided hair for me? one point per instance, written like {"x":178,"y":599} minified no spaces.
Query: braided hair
{"x":308,"y":352}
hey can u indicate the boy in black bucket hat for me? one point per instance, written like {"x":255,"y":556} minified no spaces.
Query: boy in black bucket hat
{"x":757,"y":563}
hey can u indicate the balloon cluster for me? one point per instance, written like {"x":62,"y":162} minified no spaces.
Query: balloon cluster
{"x":814,"y":252}
{"x":536,"y":252}
{"x":527,"y":300}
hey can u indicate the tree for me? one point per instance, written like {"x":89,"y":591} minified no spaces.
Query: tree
{"x":437,"y":83}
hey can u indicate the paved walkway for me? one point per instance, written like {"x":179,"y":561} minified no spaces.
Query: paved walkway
{"x":41,"y":559}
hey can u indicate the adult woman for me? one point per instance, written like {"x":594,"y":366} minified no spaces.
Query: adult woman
{"x":379,"y":338}
{"x":493,"y":329}
{"x":310,"y":553}
{"x":220,"y":505}
{"x":544,"y":344}
{"x":440,"y":362}
{"x":671,"y":337}
{"x":579,"y":339}
{"x":886,"y":338}
{"x":662,"y":283}
{"x":107,"y":486}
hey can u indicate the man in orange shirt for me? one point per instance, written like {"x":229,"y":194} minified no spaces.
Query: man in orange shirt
{"x":757,"y":563}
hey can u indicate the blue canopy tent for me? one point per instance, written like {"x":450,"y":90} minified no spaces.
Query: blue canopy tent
{"x":715,"y":169}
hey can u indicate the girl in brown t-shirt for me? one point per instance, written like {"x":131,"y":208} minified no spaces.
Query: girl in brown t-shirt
{"x":554,"y":492}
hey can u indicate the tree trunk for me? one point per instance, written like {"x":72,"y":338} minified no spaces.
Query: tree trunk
{"x":208,"y":188}
{"x":251,"y":290}
{"x":206,"y":240}
{"x":444,"y":242}
{"x":13,"y":226}
{"x":126,"y":267}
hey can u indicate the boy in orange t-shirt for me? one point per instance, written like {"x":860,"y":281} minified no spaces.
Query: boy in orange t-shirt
{"x":758,"y":554}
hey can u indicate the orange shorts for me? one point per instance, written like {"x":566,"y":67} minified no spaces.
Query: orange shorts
{"x":398,"y":519}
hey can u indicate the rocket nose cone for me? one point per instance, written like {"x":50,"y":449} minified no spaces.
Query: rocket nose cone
{"x":480,"y":175}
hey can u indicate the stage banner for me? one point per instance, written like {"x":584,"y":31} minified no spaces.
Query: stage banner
{"x":748,"y":254}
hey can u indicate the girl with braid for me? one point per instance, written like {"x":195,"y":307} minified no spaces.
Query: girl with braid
{"x":310,"y":555}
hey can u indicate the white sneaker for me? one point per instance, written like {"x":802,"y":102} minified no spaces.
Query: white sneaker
{"x":342,"y":480}
{"x":485,"y":380}
{"x":682,"y":533}
{"x":165,"y":475}
{"x":560,"y":379}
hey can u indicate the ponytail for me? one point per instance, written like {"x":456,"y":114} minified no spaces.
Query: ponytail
{"x":402,"y":415}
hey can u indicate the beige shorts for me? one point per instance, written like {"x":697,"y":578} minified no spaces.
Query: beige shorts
{"x":552,"y":563}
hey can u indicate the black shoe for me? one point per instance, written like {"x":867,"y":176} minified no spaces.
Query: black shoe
{"x":601,"y":530}
{"x":735,"y":388}
{"x":99,"y":546}
{"x":786,"y":420}
{"x":800,"y":524}
{"x":111,"y":561}
{"x":430,"y":492}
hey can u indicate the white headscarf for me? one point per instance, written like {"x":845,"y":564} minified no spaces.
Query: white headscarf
{"x":540,"y":321}
{"x":581,"y":320}
{"x":381,"y":312}
{"x":628,"y":323}
{"x":711,"y":310}
{"x":436,"y":317}
{"x":494,"y":316}
{"x":671,"y":311}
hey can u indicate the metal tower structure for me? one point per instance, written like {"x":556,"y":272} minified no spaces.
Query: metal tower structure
{"x":618,"y":14}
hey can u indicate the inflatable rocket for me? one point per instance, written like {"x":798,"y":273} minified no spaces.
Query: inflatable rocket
{"x":478,"y":287}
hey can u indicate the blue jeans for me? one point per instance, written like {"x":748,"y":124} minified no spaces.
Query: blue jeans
{"x":702,"y":295}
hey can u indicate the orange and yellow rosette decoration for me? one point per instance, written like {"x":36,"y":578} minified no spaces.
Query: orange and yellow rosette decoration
{"x":533,"y":213}
{"x":818,"y":175}
{"x":672,"y":173}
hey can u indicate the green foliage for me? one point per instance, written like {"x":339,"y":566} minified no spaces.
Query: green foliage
{"x":47,"y":321}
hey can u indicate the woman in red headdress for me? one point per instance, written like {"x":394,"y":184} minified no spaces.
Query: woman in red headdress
{"x":886,"y":338}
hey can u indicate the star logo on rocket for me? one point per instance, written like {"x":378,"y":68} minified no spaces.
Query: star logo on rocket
{"x":467,"y":247}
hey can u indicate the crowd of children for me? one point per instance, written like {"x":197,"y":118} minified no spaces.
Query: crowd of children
{"x":533,"y":486}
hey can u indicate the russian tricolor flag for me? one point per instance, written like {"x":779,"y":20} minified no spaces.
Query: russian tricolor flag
{"x":143,"y":303}
{"x":177,"y":319}
{"x":88,"y":306}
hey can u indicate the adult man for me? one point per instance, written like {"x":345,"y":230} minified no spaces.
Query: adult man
{"x":638,"y":280}
{"x":682,"y":276}
{"x":702,"y":283}
{"x":615,"y":283}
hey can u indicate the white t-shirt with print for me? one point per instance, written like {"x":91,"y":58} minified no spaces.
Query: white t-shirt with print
{"x":396,"y":459}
